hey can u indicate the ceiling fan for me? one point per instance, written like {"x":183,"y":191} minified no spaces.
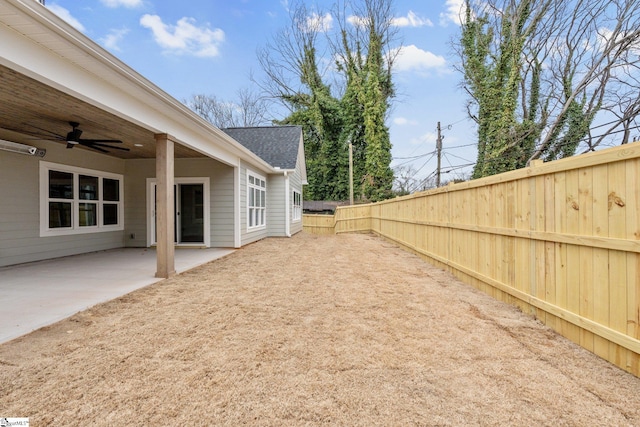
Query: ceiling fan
{"x":74,"y":138}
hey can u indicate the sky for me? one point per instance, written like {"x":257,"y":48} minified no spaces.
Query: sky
{"x":210,"y":47}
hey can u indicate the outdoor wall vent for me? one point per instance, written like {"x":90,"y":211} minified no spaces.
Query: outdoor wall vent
{"x":15,"y":147}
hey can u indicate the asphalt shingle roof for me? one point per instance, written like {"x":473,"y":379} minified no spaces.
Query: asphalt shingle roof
{"x":276,"y":145}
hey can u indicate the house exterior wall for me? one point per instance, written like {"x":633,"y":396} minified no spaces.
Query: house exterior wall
{"x":246,"y":235}
{"x":280,"y":215}
{"x":20,"y":235}
{"x":295,"y":184}
{"x":220,"y":195}
{"x":20,"y":239}
{"x":276,"y":206}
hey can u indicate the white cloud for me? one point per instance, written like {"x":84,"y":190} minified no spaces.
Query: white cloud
{"x":184,"y":37}
{"x":357,"y":21}
{"x":412,"y":58}
{"x":66,"y":15}
{"x":403,"y":121}
{"x":126,"y":3}
{"x":427,"y":138}
{"x":411,"y":20}
{"x":113,"y":39}
{"x":454,"y":12}
{"x":604,"y":38}
{"x":320,"y":23}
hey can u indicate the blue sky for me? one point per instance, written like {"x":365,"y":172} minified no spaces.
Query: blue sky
{"x":209,"y":47}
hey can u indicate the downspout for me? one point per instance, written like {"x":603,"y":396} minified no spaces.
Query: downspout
{"x":237,"y":208}
{"x":287,"y":212}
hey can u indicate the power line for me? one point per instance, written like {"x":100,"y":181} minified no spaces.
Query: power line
{"x":501,"y":156}
{"x":413,"y":157}
{"x":455,"y":123}
{"x":458,"y":157}
{"x":463,"y":146}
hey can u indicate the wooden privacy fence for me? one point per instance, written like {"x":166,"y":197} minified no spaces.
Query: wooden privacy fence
{"x":561,"y":240}
{"x":319,"y":224}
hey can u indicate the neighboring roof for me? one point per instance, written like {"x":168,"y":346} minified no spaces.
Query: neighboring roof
{"x":276,"y":145}
{"x":322,"y":205}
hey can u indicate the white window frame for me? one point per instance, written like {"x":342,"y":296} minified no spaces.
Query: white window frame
{"x":75,"y":202}
{"x":256,"y":214}
{"x":297,"y":206}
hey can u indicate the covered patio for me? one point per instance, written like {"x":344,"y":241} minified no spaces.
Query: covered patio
{"x":91,"y":115}
{"x":40,"y":293}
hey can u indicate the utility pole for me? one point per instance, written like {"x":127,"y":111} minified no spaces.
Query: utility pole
{"x":350,"y":173}
{"x":439,"y":151}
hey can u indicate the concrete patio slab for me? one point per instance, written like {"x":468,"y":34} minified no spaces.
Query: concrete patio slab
{"x":37,"y":294}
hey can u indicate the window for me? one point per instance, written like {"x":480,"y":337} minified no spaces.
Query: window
{"x":297,"y":205}
{"x":110,"y":201}
{"x":75,"y":200}
{"x":256,"y":201}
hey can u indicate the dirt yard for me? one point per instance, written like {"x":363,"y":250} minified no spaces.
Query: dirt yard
{"x":342,"y":330}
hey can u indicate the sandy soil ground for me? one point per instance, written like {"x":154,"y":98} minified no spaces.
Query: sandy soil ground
{"x":341,"y":330}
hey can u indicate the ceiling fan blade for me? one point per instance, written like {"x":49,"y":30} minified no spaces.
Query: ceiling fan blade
{"x":44,"y":136}
{"x":91,"y":141}
{"x":46,"y":131}
{"x":93,"y":144}
{"x":95,"y":148}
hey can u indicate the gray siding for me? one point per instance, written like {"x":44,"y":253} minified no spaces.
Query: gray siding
{"x":135,"y":207}
{"x":276,"y":207}
{"x":20,"y":239}
{"x":220,"y":194}
{"x":295,"y":183}
{"x":253,"y":235}
{"x":222,"y":212}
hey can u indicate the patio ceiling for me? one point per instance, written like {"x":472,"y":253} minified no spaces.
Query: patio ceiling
{"x":29,"y":107}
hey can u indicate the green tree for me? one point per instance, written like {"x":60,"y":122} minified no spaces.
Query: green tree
{"x":333,"y":119}
{"x":378,"y":180}
{"x":493,"y":63}
{"x":539,"y":71}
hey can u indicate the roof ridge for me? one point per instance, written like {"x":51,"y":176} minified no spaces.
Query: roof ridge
{"x":262,"y":127}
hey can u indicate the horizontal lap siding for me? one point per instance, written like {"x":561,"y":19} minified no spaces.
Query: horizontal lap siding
{"x":136,"y":200}
{"x":222,"y":209}
{"x":246,"y":236}
{"x":295,"y":184}
{"x":20,"y":239}
{"x":220,"y":194}
{"x":276,"y":207}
